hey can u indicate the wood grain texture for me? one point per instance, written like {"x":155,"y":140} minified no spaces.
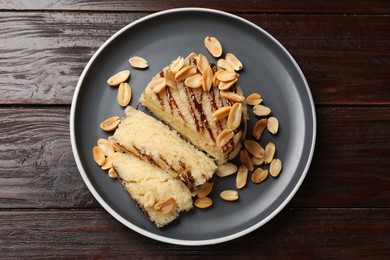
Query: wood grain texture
{"x":350,"y":167}
{"x":292,"y":234}
{"x":304,"y":6}
{"x":37,"y":168}
{"x":346,"y":59}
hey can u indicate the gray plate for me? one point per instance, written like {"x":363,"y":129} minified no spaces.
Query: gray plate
{"x":268,"y":69}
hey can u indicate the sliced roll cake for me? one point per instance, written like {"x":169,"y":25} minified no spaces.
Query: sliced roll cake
{"x":196,"y":98}
{"x":160,"y":196}
{"x":148,"y":138}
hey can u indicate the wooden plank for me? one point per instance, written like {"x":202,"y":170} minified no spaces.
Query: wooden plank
{"x":352,"y":152}
{"x":350,"y":167}
{"x":346,"y":59}
{"x":37,"y":165}
{"x":292,"y":234}
{"x":370,"y":7}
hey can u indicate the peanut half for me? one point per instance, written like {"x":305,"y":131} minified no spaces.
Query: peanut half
{"x":157,"y":84}
{"x":259,"y":175}
{"x":260,"y":110}
{"x":165,"y":206}
{"x":203,"y":203}
{"x":177,"y":64}
{"x":224,"y":137}
{"x":124,"y":94}
{"x":259,"y":127}
{"x":110,"y":124}
{"x":149,"y":199}
{"x":232,"y":96}
{"x":202,"y":63}
{"x":170,"y":78}
{"x":213,"y":46}
{"x":194,"y":81}
{"x":236,"y":63}
{"x":242,"y":175}
{"x":254,"y":148}
{"x":118,"y":78}
{"x":229,"y":195}
{"x":221,"y":113}
{"x":138,"y":62}
{"x":226,"y":169}
{"x":246,"y":159}
{"x":207,"y":79}
{"x":275,"y":167}
{"x":273,"y":125}
{"x":269,"y":152}
{"x":205,"y":189}
{"x":98,"y":155}
{"x":234,"y":118}
{"x":185,"y":72}
{"x":254,"y":99}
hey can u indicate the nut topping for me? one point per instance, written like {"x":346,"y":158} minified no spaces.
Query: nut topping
{"x":260,"y":110}
{"x":225,"y":85}
{"x":157,"y":84}
{"x":259,"y":175}
{"x":205,"y":189}
{"x":226,"y":169}
{"x":170,"y":78}
{"x":138,"y":62}
{"x":273,"y":125}
{"x":207,"y":79}
{"x":224,"y":137}
{"x":203,"y":203}
{"x":259,"y":127}
{"x":118,"y":78}
{"x":254,"y":148}
{"x":165,"y":206}
{"x":224,"y":64}
{"x":98,"y":155}
{"x":257,"y":161}
{"x":202,"y":63}
{"x":275,"y":167}
{"x":254,"y":99}
{"x":246,"y":159}
{"x":185,"y":72}
{"x":229,"y":195}
{"x":124,"y":94}
{"x":232,"y":96}
{"x":213,"y":46}
{"x":241,"y":178}
{"x":110,"y":124}
{"x":269,"y":152}
{"x":226,"y":76}
{"x":234,"y":118}
{"x":236,"y":63}
{"x":221,"y":113}
{"x":177,"y":64}
{"x":194,"y":81}
{"x":148,"y":199}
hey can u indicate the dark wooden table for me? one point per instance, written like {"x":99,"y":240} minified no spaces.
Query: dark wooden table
{"x":342,"y":210}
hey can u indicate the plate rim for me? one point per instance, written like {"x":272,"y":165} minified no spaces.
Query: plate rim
{"x":152,"y":235}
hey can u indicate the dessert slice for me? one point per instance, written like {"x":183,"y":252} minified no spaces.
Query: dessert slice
{"x":185,"y":95}
{"x":148,"y":138}
{"x":160,"y":196}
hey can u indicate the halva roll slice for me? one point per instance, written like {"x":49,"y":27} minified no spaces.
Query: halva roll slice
{"x":148,"y":138}
{"x":160,"y":196}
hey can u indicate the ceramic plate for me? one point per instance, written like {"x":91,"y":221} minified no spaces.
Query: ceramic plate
{"x":268,"y":69}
